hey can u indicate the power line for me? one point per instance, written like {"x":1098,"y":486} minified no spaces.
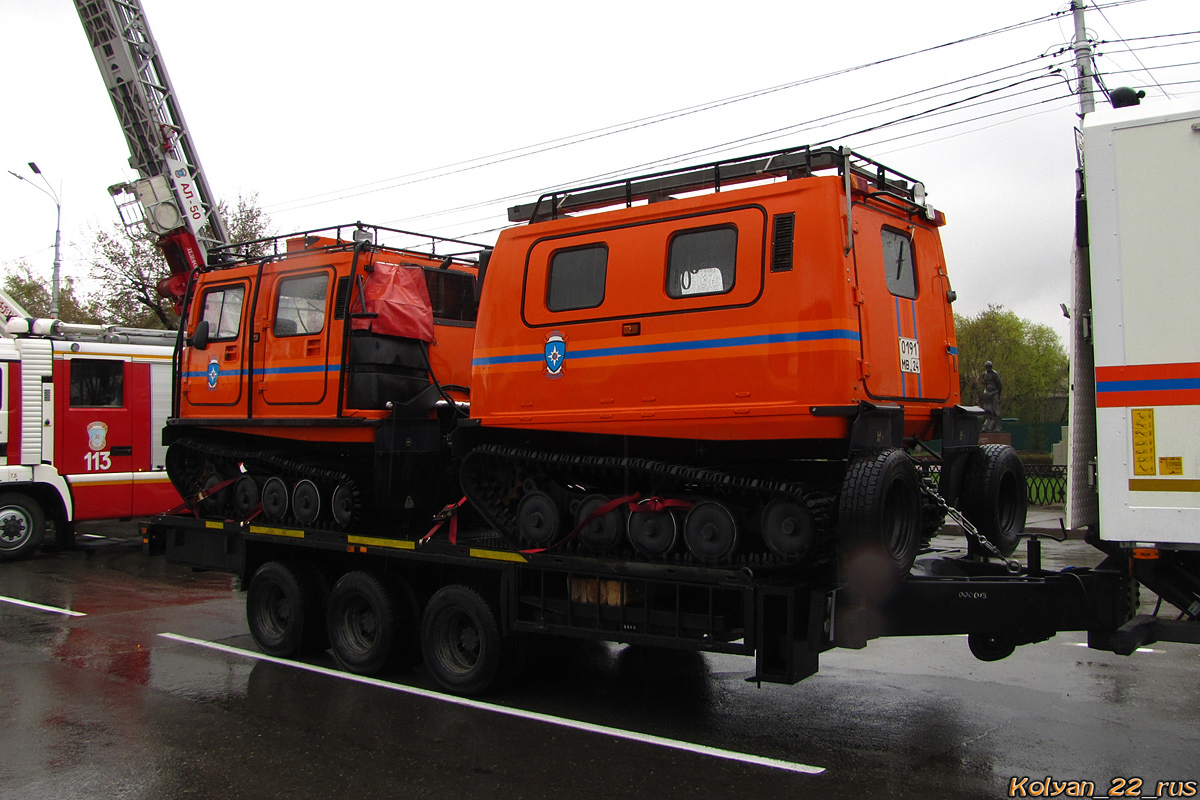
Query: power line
{"x":1131,"y":52}
{"x":554,"y":144}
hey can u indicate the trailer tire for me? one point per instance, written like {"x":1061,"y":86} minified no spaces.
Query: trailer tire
{"x":879,"y":507}
{"x":283,"y":609}
{"x":464,"y":649}
{"x":994,"y":497}
{"x":22,"y":526}
{"x":990,"y":646}
{"x":365,"y":623}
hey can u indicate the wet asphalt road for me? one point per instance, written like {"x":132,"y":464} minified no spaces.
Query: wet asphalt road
{"x":104,"y":706}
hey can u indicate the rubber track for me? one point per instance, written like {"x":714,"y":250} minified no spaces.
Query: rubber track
{"x":482,"y":465}
{"x":262,"y":462}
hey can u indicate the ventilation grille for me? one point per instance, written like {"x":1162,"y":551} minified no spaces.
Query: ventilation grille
{"x":785,"y":229}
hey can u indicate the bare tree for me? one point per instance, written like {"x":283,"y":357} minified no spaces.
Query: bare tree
{"x":129,"y":266}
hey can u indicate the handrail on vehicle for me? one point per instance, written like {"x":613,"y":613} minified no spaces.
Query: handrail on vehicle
{"x":794,"y":162}
{"x":345,"y":236}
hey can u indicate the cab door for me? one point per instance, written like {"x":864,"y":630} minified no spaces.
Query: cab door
{"x":214,"y":378}
{"x":902,"y":314}
{"x":94,"y":437}
{"x":292,"y":357}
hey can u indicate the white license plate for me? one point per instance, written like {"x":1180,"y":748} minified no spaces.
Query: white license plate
{"x":910,"y":355}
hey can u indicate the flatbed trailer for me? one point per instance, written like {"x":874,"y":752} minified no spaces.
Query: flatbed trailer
{"x":783,"y":620}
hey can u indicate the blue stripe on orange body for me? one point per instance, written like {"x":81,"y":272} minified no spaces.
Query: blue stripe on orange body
{"x":672,"y":347}
{"x":1148,"y":385}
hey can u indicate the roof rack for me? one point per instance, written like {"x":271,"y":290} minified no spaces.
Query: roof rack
{"x":795,"y":162}
{"x":343,"y":236}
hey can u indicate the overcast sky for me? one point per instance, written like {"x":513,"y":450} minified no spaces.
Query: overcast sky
{"x":331,"y":112}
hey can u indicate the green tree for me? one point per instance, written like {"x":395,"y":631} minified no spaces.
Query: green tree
{"x":1029,"y":357}
{"x":129,"y":266}
{"x":32,"y":291}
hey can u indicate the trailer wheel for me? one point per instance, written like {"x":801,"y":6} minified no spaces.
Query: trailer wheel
{"x":365,"y":622}
{"x":464,"y":650}
{"x":994,"y":495}
{"x":990,"y":646}
{"x":283,"y":608}
{"x":880,"y":507}
{"x":22,"y":526}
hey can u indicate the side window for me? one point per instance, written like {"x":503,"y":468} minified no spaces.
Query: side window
{"x":452,"y":294}
{"x":898,"y":264}
{"x":702,"y":262}
{"x":97,"y":384}
{"x":300,"y":309}
{"x":577,"y":278}
{"x":223,"y":310}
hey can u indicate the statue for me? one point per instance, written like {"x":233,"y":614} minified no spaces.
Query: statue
{"x":990,"y":399}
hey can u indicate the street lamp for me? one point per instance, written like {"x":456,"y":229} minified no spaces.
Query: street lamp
{"x":53,"y":195}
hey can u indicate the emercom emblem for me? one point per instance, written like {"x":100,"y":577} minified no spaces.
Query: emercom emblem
{"x":554,"y":354}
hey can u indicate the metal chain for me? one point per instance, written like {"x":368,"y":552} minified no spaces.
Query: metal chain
{"x":953,"y":513}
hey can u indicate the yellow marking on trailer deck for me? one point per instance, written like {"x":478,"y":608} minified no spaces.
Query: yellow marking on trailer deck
{"x":277,"y":532}
{"x":1162,"y":485}
{"x":398,"y":544}
{"x":212,"y":523}
{"x":498,"y":555}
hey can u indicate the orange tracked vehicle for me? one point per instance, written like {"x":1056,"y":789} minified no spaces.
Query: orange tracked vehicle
{"x":724,"y":365}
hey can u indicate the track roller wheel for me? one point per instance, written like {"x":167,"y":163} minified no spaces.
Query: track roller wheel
{"x":880,"y":508}
{"x":213,"y":505}
{"x":283,"y":609}
{"x":306,"y":502}
{"x":538,"y":520}
{"x":788,"y":529}
{"x":275,"y":499}
{"x":245,"y":496}
{"x":464,"y":649}
{"x":710,"y":532}
{"x":343,"y":505}
{"x":652,"y":533}
{"x":601,"y":534}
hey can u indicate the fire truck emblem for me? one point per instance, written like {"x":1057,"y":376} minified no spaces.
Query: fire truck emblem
{"x":555,"y":354}
{"x":214,"y":371}
{"x":97,"y":436}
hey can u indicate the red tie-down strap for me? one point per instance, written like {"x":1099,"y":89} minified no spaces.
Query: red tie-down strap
{"x":193,"y":504}
{"x":636,"y":505}
{"x":450,"y":512}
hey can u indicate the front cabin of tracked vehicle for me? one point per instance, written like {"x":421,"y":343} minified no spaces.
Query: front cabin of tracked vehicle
{"x":303,"y":365}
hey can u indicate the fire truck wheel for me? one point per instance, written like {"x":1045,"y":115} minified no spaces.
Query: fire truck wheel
{"x":367,"y":623}
{"x":460,"y":636}
{"x":880,"y":507}
{"x":22,"y":526}
{"x":283,"y":609}
{"x":993,"y":495}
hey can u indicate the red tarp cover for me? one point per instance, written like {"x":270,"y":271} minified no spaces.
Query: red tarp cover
{"x":400,"y":298}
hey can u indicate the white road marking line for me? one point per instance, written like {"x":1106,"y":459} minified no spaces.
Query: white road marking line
{"x":588,"y":727}
{"x":1140,"y":649}
{"x":41,"y":607}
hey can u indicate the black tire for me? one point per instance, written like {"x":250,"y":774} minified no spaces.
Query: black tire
{"x":994,"y":496}
{"x":365,"y":623}
{"x":879,"y":507}
{"x":22,"y":526}
{"x":990,"y":646}
{"x":283,"y":609}
{"x":464,"y":650}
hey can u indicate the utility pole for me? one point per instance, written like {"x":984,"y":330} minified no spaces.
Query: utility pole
{"x":1082,"y":497}
{"x":1083,"y":60}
